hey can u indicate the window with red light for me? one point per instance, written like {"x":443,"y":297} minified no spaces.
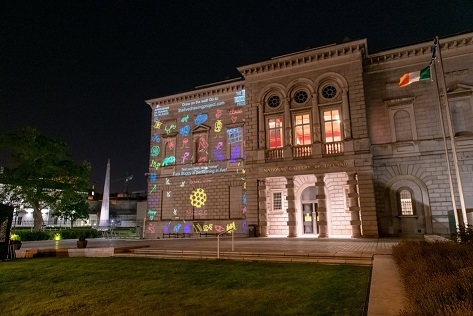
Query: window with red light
{"x":302,"y":129}
{"x":275,"y":132}
{"x":332,"y":129}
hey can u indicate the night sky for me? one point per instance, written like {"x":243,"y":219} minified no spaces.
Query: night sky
{"x":81,"y":70}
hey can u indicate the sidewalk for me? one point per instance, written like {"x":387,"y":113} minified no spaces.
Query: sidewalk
{"x":386,"y":296}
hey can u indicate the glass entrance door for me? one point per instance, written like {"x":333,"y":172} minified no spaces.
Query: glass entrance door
{"x":309,"y":218}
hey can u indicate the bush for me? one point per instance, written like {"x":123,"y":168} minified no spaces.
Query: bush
{"x":28,"y":235}
{"x":437,"y":276}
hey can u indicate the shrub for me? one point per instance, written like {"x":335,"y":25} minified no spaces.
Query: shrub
{"x":438,"y":277}
{"x":26,"y":235}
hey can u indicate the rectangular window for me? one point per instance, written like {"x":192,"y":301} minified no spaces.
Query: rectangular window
{"x":235,"y":143}
{"x":332,"y":128}
{"x":275,"y":132}
{"x":406,"y":202}
{"x":277,"y":201}
{"x":302,"y":129}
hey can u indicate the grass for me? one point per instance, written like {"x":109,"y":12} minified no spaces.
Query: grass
{"x":437,"y":277}
{"x":144,"y":286}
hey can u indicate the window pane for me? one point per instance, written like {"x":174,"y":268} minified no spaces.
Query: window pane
{"x":277,"y":201}
{"x":406,"y":202}
{"x":332,"y":126}
{"x":302,"y":129}
{"x":275,"y":132}
{"x":336,"y":131}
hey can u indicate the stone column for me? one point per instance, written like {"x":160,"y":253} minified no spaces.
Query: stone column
{"x":261,"y":127}
{"x":353,"y":205}
{"x":291,"y":207}
{"x":316,"y":119}
{"x":263,"y":212}
{"x":321,"y":205}
{"x":346,"y":116}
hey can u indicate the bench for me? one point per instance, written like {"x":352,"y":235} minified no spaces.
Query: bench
{"x":176,"y":235}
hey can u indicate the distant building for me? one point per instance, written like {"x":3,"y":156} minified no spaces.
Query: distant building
{"x":321,"y":142}
{"x":123,"y":209}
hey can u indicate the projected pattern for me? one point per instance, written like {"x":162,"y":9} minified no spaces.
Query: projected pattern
{"x":215,"y":144}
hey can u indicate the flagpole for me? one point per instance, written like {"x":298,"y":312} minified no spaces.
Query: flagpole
{"x":452,"y":136}
{"x":450,"y":182}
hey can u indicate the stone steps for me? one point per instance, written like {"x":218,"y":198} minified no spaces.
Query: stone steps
{"x":363,"y":259}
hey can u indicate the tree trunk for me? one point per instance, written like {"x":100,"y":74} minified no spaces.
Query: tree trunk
{"x":37,"y":218}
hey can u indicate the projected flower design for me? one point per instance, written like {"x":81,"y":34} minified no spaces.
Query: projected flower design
{"x":198,"y":198}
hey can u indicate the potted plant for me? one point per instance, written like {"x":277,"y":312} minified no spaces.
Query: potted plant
{"x":82,"y":242}
{"x":16,"y":243}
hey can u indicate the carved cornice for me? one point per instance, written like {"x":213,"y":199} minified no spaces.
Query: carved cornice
{"x":423,"y":49}
{"x":305,"y":57}
{"x":197,"y":94}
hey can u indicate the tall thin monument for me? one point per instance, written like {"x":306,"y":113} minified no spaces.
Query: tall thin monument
{"x":104,"y":211}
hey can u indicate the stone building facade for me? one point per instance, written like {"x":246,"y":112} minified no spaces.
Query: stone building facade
{"x":321,"y":143}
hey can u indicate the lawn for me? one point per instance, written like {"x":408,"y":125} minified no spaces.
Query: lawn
{"x":145,"y":286}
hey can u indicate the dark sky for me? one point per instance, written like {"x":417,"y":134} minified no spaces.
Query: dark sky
{"x":81,"y":70}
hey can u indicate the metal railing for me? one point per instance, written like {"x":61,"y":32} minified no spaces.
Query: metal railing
{"x":218,"y":240}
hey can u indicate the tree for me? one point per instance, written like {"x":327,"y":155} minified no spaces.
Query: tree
{"x":40,"y":172}
{"x":72,"y":206}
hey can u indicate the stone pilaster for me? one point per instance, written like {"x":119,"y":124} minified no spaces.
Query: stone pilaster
{"x":263,"y":212}
{"x":353,"y":205}
{"x":291,"y":207}
{"x":321,"y":205}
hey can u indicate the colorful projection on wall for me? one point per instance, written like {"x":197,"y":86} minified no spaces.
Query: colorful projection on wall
{"x":198,"y":152}
{"x":198,"y":198}
{"x":155,"y":151}
{"x":201,"y":118}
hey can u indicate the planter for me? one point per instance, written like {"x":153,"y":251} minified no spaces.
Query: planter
{"x":16,"y":244}
{"x":81,"y":243}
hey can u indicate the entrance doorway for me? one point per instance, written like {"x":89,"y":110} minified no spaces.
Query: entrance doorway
{"x":310,"y":218}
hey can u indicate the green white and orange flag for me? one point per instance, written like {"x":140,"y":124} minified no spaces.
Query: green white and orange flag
{"x":420,"y":75}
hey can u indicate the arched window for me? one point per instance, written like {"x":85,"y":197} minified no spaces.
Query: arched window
{"x":405,"y":202}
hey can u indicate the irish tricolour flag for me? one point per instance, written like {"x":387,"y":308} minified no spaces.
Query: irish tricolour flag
{"x":421,"y":75}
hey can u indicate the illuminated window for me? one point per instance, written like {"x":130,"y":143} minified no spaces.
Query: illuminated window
{"x":405,"y":202}
{"x":277,"y":201}
{"x":302,"y":129}
{"x":332,"y":130}
{"x":275,"y":132}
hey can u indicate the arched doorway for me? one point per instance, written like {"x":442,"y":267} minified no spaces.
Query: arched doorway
{"x":309,"y":212}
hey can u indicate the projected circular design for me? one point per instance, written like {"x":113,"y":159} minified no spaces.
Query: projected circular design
{"x":198,"y":198}
{"x":274,"y":101}
{"x":329,"y":92}
{"x":301,"y":97}
{"x":155,"y":151}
